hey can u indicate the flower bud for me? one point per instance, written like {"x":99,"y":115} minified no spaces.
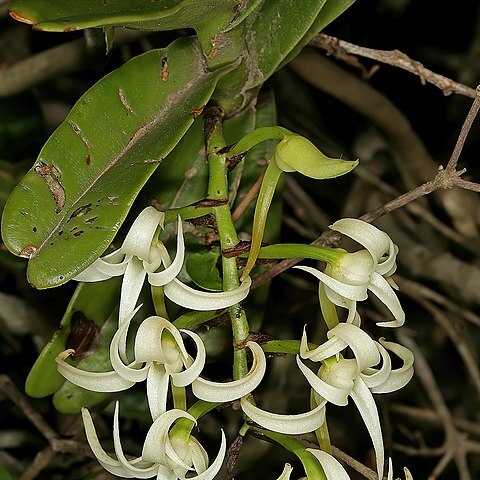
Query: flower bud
{"x":297,"y":154}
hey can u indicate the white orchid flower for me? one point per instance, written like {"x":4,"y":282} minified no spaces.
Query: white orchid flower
{"x":230,"y":391}
{"x":160,"y":357}
{"x":163,"y":455}
{"x":346,"y":281}
{"x":339,"y":378}
{"x":141,"y":255}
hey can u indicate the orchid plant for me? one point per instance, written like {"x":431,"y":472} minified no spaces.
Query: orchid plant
{"x":159,"y":308}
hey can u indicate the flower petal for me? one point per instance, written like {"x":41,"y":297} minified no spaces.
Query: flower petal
{"x":335,"y":395}
{"x":351,"y":292}
{"x":147,"y":470}
{"x":287,"y":471}
{"x":108,"y":463}
{"x":141,"y":233}
{"x":211,"y":472}
{"x":374,"y":377}
{"x":363,"y":347}
{"x":95,"y":381}
{"x":111,"y":265}
{"x":188,"y":297}
{"x":363,"y":398}
{"x":155,"y":441}
{"x":399,"y":377}
{"x":182,"y":379}
{"x":373,"y":239}
{"x":172,"y":269}
{"x":132,"y":372}
{"x":328,"y":349}
{"x":331,"y":466}
{"x":229,"y":391}
{"x":384,"y":292}
{"x":288,"y":424}
{"x":157,"y":390}
{"x":131,"y":287}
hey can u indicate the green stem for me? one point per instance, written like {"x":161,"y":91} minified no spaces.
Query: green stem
{"x":312,"y":468}
{"x":159,"y":302}
{"x":257,"y":136}
{"x":218,"y":190}
{"x":183,"y":427}
{"x":179,"y":397}
{"x":322,"y":433}
{"x":193,"y":319}
{"x":285,"y":346}
{"x":265,"y":196}
{"x":295,"y":250}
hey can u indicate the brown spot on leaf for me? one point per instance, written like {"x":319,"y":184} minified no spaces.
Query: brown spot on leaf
{"x":28,"y":251}
{"x":80,"y":211}
{"x":164,"y":73}
{"x":20,"y":18}
{"x":52,"y":177}
{"x":90,"y":220}
{"x":87,"y":159}
{"x":70,"y":28}
{"x":198,"y":111}
{"x":153,"y":160}
{"x":77,"y":234}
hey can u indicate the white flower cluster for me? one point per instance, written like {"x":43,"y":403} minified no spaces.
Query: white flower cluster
{"x":161,"y":359}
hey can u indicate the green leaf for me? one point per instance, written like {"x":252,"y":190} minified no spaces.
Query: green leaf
{"x":67,"y":209}
{"x":95,"y":302}
{"x":209,"y":18}
{"x":273,"y":31}
{"x":70,"y":398}
{"x":202,"y":269}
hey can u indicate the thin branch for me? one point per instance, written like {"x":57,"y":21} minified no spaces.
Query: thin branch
{"x":355,"y":464}
{"x":12,"y":392}
{"x":247,"y":199}
{"x":467,"y":125}
{"x":340,"y":48}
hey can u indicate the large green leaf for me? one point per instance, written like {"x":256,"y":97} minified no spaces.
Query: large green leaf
{"x":68,"y":207}
{"x":209,"y":18}
{"x":272,"y":32}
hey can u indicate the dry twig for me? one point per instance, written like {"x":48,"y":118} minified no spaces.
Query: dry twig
{"x":340,"y":48}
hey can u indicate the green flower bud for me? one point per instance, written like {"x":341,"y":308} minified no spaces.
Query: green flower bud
{"x":297,"y":154}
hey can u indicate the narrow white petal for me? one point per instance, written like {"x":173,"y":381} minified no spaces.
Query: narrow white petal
{"x":148,"y":470}
{"x":288,"y":424}
{"x":374,"y":377}
{"x":351,"y":292}
{"x":335,"y":395}
{"x":384,"y":292}
{"x":95,"y":381}
{"x":188,"y":297}
{"x":191,"y":373}
{"x":113,"y":264}
{"x":133,"y":372}
{"x":399,"y":377}
{"x":408,"y":475}
{"x":331,"y":466}
{"x":131,"y":287}
{"x":92,"y":274}
{"x":227,"y":392}
{"x":363,"y":347}
{"x":287,"y":471}
{"x":157,"y":390}
{"x":211,"y":472}
{"x":328,"y":349}
{"x":174,"y":457}
{"x":140,"y":236}
{"x":373,"y":239}
{"x":155,"y":441}
{"x":108,"y":463}
{"x":198,"y":455}
{"x":363,"y":398}
{"x":172,"y":270}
